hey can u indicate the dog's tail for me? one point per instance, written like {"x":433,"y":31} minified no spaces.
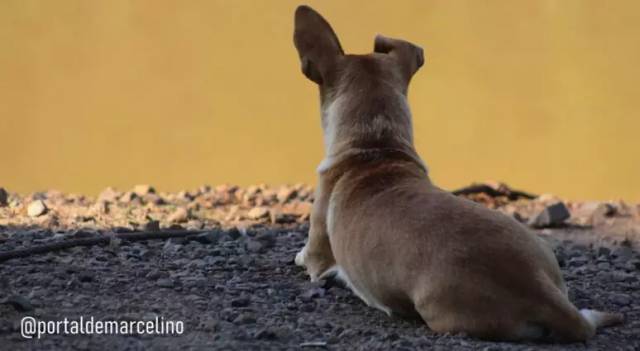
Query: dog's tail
{"x":600,"y":319}
{"x":567,"y":324}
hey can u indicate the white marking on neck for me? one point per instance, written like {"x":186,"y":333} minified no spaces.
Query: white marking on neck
{"x":324,"y":165}
{"x":330,"y":118}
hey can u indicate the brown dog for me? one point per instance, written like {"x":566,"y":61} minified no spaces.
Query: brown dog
{"x":400,"y":243}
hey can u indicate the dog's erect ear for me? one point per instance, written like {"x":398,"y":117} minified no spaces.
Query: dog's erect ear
{"x":317,"y":44}
{"x":409,"y":56}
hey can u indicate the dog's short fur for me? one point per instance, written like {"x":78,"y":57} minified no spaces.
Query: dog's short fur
{"x":402,"y":244}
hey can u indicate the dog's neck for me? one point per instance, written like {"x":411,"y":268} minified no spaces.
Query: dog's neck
{"x":353,"y":125}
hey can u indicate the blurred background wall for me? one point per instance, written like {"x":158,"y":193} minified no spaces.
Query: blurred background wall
{"x":539,"y":94}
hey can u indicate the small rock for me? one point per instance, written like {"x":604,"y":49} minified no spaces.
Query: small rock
{"x":618,"y":276}
{"x":143,"y":189}
{"x":581,"y":213}
{"x":307,"y":307}
{"x":156,"y":274}
{"x":195,"y":224}
{"x":36,"y":208}
{"x":207,"y":238}
{"x":4,"y":197}
{"x":255,"y":246}
{"x":101,"y":206}
{"x":633,"y":264}
{"x":172,"y":246}
{"x":109,"y":195}
{"x":282,"y":218}
{"x":152,"y":226}
{"x":258,"y":213}
{"x":242,"y":301}
{"x":601,"y":213}
{"x":314,"y":344}
{"x":252,"y":190}
{"x":153,"y":198}
{"x":204,"y":189}
{"x":577,"y":261}
{"x":285,"y":194}
{"x":303,"y":208}
{"x":18,"y":302}
{"x":185,"y":196}
{"x":207,"y":324}
{"x":622,"y":253}
{"x":244,"y":318}
{"x":552,"y":216}
{"x":546,"y":198}
{"x":266,"y":334}
{"x":165,"y":283}
{"x":233,"y":234}
{"x":605,"y":210}
{"x":620,"y":299}
{"x":40,"y":195}
{"x":128,"y":197}
{"x":197,"y":263}
{"x":85,"y":277}
{"x":179,"y":215}
{"x":266,"y":240}
{"x":122,"y":230}
{"x":312,"y":294}
{"x":604,"y":251}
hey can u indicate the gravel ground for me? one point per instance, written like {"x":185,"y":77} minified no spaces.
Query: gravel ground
{"x":236,"y":287}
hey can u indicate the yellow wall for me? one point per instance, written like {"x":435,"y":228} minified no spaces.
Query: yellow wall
{"x":540,"y":94}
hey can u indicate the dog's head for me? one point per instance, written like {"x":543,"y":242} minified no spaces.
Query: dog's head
{"x":392,"y":63}
{"x":372,"y":88}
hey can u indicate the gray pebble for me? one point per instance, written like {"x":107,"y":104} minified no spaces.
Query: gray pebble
{"x":165,"y":283}
{"x":242,"y":301}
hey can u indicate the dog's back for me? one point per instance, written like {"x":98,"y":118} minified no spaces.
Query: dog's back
{"x":410,"y":247}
